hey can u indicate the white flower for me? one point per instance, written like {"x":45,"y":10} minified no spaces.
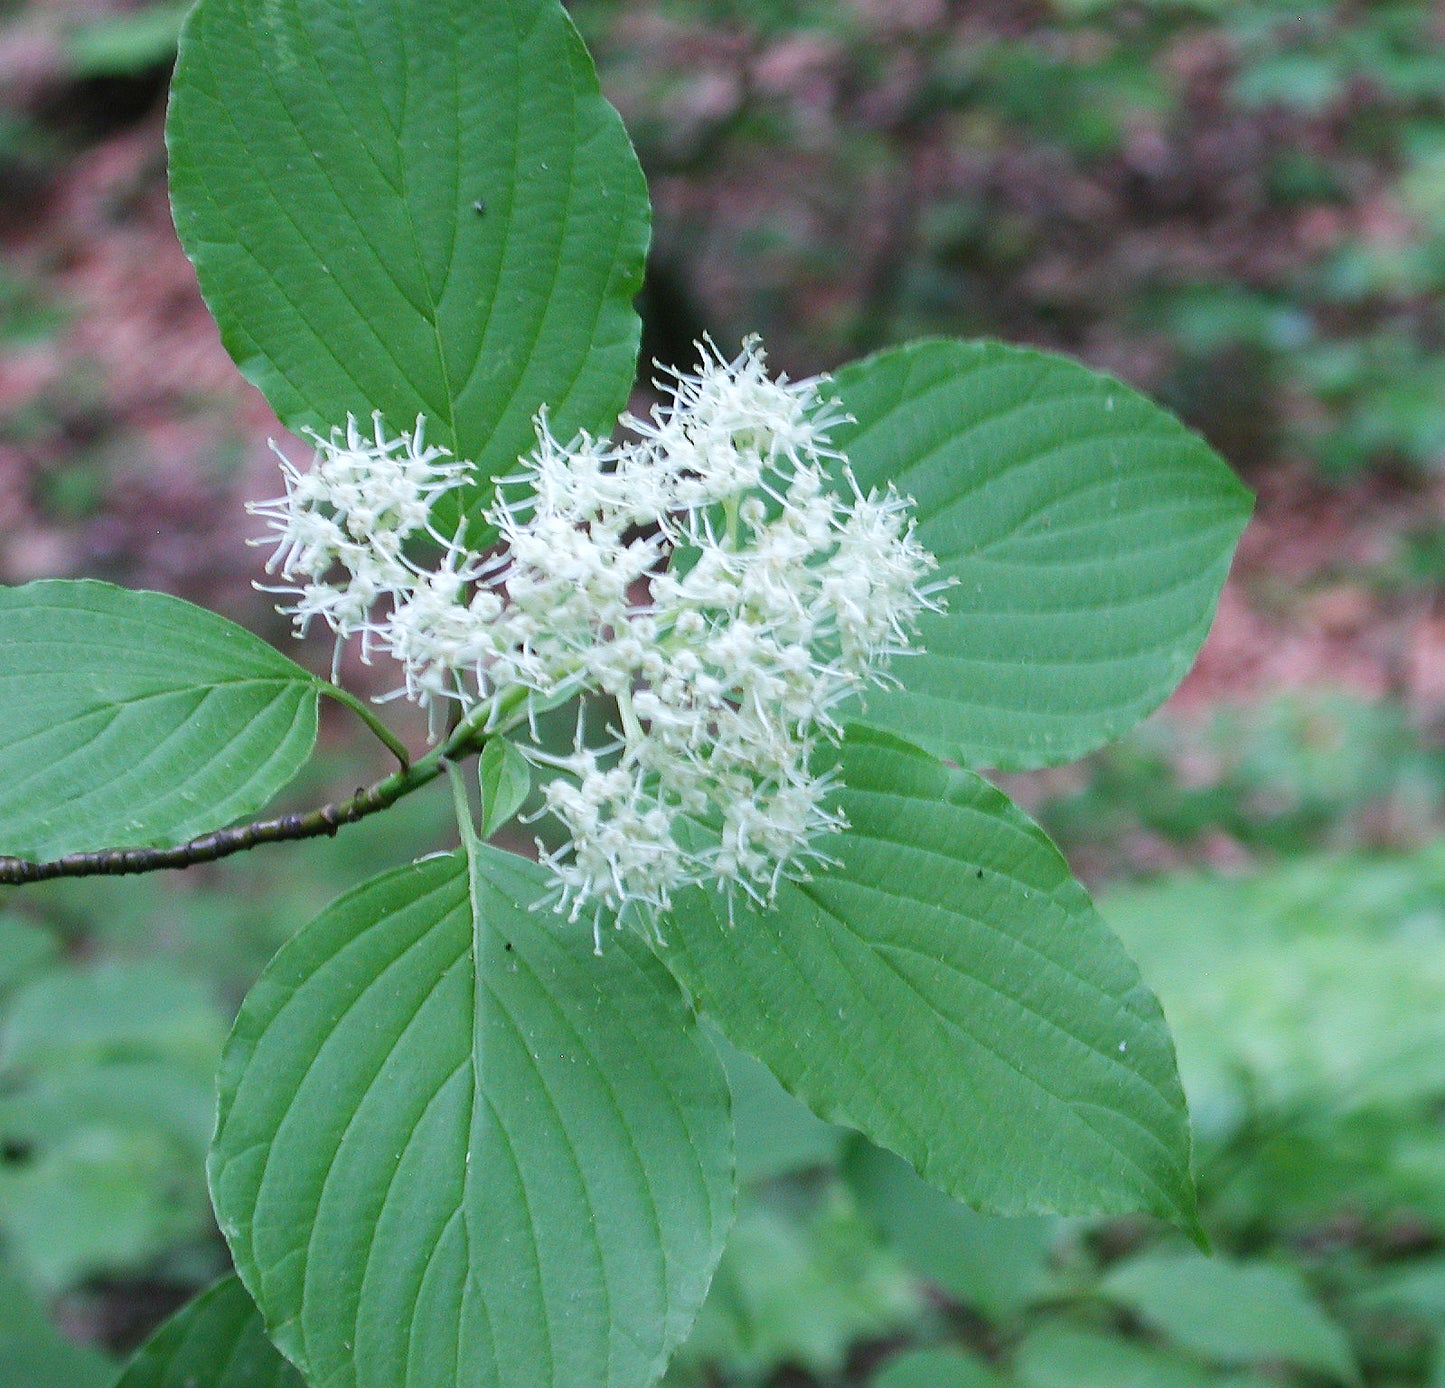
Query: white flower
{"x":342,"y":526}
{"x":729,"y":423}
{"x":719,"y":576}
{"x":441,"y":628}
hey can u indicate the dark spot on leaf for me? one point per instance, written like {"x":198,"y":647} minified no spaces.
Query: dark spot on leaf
{"x":480,"y":208}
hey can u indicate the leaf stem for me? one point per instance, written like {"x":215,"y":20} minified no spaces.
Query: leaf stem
{"x":389,"y":739}
{"x":466,"y":826}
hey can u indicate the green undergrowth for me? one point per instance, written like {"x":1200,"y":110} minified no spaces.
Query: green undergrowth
{"x":1306,"y":998}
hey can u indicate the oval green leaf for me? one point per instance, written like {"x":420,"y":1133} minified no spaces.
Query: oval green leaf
{"x":215,"y":1341}
{"x":1060,"y":1355}
{"x":506,"y":781}
{"x":1088,"y":530}
{"x":457,"y":1147}
{"x":949,"y":990}
{"x":1233,"y":1313}
{"x":136,"y":720}
{"x":412,"y":206}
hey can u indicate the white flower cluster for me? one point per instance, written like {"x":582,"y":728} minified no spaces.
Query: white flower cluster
{"x":705,"y":575}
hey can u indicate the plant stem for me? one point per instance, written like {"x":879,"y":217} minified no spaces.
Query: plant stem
{"x":467,"y":738}
{"x":115,"y":862}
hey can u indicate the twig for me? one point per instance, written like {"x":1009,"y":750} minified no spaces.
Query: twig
{"x":117,"y":862}
{"x":484,"y":721}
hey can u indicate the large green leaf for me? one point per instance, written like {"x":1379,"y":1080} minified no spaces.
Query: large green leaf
{"x":1233,"y":1313}
{"x":216,"y":1341}
{"x":456,"y":1147}
{"x":1089,"y":532}
{"x":132,"y":720}
{"x":412,"y":206}
{"x":949,"y":990}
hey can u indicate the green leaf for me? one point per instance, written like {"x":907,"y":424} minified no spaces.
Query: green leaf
{"x":455,"y":1146}
{"x":125,"y":44}
{"x":111,"y":1011}
{"x":35,"y":1355}
{"x":1061,"y":1356}
{"x":1414,"y":1290}
{"x":412,"y":206}
{"x":998,"y":1266}
{"x":949,"y":990}
{"x":774,"y":1133}
{"x":215,"y":1341}
{"x":133,"y":720}
{"x":1318,"y":985}
{"x":1233,"y":1313}
{"x":506,"y":780}
{"x":936,"y":1368}
{"x":803,"y":1281}
{"x":107,"y":1096}
{"x":103,"y":1200}
{"x":25,"y":950}
{"x":1089,"y":532}
{"x":129,"y":1094}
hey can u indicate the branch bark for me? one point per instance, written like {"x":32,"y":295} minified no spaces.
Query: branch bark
{"x":310,"y":824}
